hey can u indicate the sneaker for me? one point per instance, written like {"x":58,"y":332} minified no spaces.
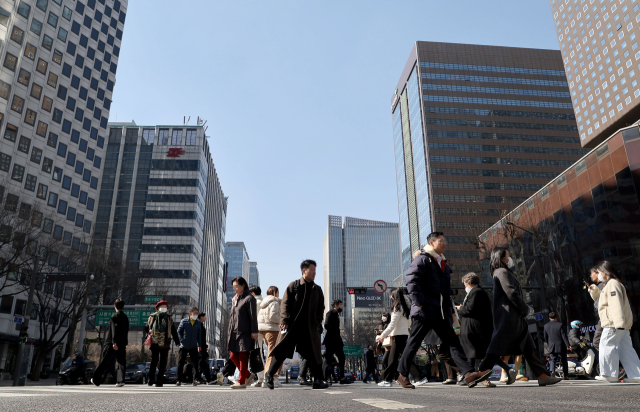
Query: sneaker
{"x":607,"y":379}
{"x":385,"y":383}
{"x":220,"y":378}
{"x":505,"y":379}
{"x":178,"y":383}
{"x":488,"y":383}
{"x":462,"y":382}
{"x":512,"y":376}
{"x":521,"y":378}
{"x":449,"y":382}
{"x":239,"y":385}
{"x":97,"y":384}
{"x":422,"y":382}
{"x":257,"y":384}
{"x":119,"y":384}
{"x":276,"y":383}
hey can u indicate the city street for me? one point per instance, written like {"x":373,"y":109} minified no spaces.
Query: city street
{"x":571,"y":395}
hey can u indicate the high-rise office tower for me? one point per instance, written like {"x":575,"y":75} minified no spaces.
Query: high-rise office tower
{"x":357,"y":253}
{"x":254,"y":275}
{"x":476,"y":129}
{"x":162,"y":208}
{"x":58,"y":62}
{"x":600,"y":54}
{"x":237,"y":260}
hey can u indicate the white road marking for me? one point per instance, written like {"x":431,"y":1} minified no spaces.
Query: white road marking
{"x":14,"y":394}
{"x":335,"y":392}
{"x":388,"y":404}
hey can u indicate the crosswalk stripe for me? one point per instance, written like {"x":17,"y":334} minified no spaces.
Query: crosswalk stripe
{"x":388,"y":404}
{"x":335,"y":392}
{"x":15,"y":394}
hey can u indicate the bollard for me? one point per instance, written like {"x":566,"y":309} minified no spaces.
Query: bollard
{"x":286,"y":377}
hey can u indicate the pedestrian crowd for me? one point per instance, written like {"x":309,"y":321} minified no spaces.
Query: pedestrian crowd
{"x":469,"y":338}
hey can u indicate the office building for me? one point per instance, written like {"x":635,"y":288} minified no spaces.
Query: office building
{"x":58,"y":69}
{"x":237,"y":260}
{"x":600,"y":55}
{"x":476,"y":129}
{"x":162,"y":208}
{"x":357,"y":253}
{"x":254,"y":275}
{"x":589,"y":213}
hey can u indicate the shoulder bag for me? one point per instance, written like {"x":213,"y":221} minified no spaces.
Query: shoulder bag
{"x":149,"y":340}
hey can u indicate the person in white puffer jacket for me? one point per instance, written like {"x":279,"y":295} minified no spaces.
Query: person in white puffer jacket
{"x":398,"y":330}
{"x":269,"y":322}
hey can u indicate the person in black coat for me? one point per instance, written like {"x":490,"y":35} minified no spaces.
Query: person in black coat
{"x":429,"y":285}
{"x":205,"y":368}
{"x":557,"y":343}
{"x":115,"y":345}
{"x":371,"y":365}
{"x":510,"y":329}
{"x":333,"y":342}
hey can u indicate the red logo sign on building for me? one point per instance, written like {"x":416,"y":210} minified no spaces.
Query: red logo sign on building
{"x":175,"y":152}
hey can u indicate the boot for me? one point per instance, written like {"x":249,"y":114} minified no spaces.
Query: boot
{"x":319,"y":384}
{"x":268,"y":380}
{"x":404,"y":382}
{"x":472,"y":378}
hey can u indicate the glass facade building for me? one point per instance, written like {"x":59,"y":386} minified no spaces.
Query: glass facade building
{"x":254,"y":275}
{"x":589,"y":213}
{"x":237,"y":260}
{"x":475,"y":128}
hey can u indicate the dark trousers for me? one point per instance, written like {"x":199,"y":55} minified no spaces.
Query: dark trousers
{"x":121,"y":363}
{"x":419,"y":330}
{"x":327,"y":365}
{"x":371,"y":372}
{"x":559,"y":357}
{"x":229,"y":368}
{"x":204,"y":365}
{"x":385,"y":357}
{"x":393,"y":354}
{"x":445,"y":356}
{"x":182,"y":359}
{"x":304,"y":369}
{"x":316,"y":368}
{"x":530,"y":355}
{"x":158,"y":360}
{"x":596,"y":337}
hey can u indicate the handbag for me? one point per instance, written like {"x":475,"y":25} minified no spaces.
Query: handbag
{"x":387,"y":342}
{"x":255,"y":359}
{"x":149,"y":340}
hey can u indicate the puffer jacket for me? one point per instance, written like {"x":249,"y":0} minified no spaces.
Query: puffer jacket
{"x":269,"y":314}
{"x":613,"y":305}
{"x":399,"y":325}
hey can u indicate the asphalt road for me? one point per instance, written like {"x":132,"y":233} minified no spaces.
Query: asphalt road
{"x":571,"y":395}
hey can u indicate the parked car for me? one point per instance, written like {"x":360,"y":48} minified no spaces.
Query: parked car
{"x":294,"y":371}
{"x":216,"y":366}
{"x":171,"y":375}
{"x":137,"y":373}
{"x":349,"y":377}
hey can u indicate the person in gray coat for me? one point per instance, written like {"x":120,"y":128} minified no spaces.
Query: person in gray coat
{"x":243,"y":330}
{"x":189,"y":333}
{"x":511,"y":331}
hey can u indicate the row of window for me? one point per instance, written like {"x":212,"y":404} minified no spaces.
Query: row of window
{"x":166,"y":273}
{"x":494,"y":173}
{"x":431,"y":132}
{"x":487,"y":79}
{"x":481,"y":199}
{"x":500,"y":69}
{"x":501,"y":102}
{"x":499,"y":160}
{"x":169,"y":231}
{"x":461,"y":226}
{"x":174,"y":214}
{"x":462,"y":254}
{"x":508,"y":149}
{"x":494,"y":90}
{"x":509,"y":125}
{"x":160,"y":248}
{"x":469,"y":212}
{"x":51,"y":316}
{"x":498,"y":113}
{"x":485,"y":185}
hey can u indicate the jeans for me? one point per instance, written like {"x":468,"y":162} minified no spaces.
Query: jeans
{"x":158,"y":360}
{"x":182,"y":359}
{"x":559,"y":357}
{"x":394,"y":352}
{"x":615,"y":348}
{"x":121,"y":363}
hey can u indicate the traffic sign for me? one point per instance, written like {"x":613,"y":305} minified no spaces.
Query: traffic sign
{"x":380,"y":286}
{"x":538,"y":316}
{"x":353,"y":351}
{"x":152,"y":299}
{"x":17,"y":319}
{"x":137,"y":317}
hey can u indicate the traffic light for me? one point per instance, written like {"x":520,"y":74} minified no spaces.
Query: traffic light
{"x":357,"y":291}
{"x":23,"y":338}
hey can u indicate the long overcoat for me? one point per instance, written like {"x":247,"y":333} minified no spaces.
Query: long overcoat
{"x":301,"y":325}
{"x":510,"y":329}
{"x":243,"y":321}
{"x":476,"y":323}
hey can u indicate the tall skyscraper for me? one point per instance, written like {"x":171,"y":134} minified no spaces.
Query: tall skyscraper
{"x":600,"y":54}
{"x":161,"y":206}
{"x":254,"y":274}
{"x":357,"y":253}
{"x":237,"y":260}
{"x":475,"y":129}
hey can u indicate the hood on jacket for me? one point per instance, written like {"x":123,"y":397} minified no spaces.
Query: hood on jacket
{"x":268,"y":300}
{"x":428,"y":249}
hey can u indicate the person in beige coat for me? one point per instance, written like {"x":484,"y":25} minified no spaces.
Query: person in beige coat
{"x":269,"y":323}
{"x":616,"y":319}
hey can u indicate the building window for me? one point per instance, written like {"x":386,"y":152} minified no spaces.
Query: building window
{"x":42,"y":191}
{"x":36,"y":155}
{"x":41,"y":130}
{"x":52,"y":80}
{"x":47,"y":42}
{"x":57,"y":174}
{"x":5,"y":90}
{"x":4,"y":17}
{"x":62,"y":207}
{"x":163,"y":137}
{"x":30,"y":117}
{"x":11,"y":132}
{"x":10,"y":62}
{"x":42,"y":66}
{"x":57,"y":56}
{"x":191,"y":137}
{"x":5,"y":162}
{"x":66,"y":182}
{"x":53,"y":140}
{"x":11,"y":203}
{"x":177,"y":137}
{"x":30,"y":51}
{"x":36,"y":91}
{"x":24,"y":77}
{"x":24,"y":144}
{"x":18,"y":173}
{"x":66,"y":13}
{"x":47,"y":104}
{"x":17,"y":104}
{"x":148,"y":136}
{"x":47,"y":165}
{"x":30,"y":183}
{"x":53,"y":199}
{"x":17,"y":35}
{"x":48,"y":226}
{"x":36,"y":26}
{"x":53,"y":19}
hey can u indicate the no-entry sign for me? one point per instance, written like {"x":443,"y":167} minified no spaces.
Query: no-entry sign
{"x":380,"y":286}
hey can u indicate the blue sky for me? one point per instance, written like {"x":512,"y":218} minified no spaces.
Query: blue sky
{"x":297,"y":98}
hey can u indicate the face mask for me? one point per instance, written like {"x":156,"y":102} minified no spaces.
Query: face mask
{"x":194,"y":317}
{"x":467,"y":289}
{"x":163,"y":310}
{"x":384,"y":318}
{"x":339,"y":310}
{"x":600,"y":277}
{"x":510,"y":263}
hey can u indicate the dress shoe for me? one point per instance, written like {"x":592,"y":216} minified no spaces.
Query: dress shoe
{"x":268,"y":381}
{"x":472,"y":378}
{"x":344,"y":382}
{"x":319,"y":384}
{"x":404,"y":382}
{"x":549,"y":381}
{"x":512,"y":376}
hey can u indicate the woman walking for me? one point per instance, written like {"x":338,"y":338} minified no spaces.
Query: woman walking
{"x":162,"y":330}
{"x":398,"y":330}
{"x":242,"y":331}
{"x":511,"y":331}
{"x":616,"y":319}
{"x":269,"y":324}
{"x":380,"y":348}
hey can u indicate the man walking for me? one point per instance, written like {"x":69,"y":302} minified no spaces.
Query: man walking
{"x":333,"y":343}
{"x":300,"y":325}
{"x":556,"y":337}
{"x":371,"y":365}
{"x":115,"y":344}
{"x":429,"y":284}
{"x":204,"y":352}
{"x":189,"y":332}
